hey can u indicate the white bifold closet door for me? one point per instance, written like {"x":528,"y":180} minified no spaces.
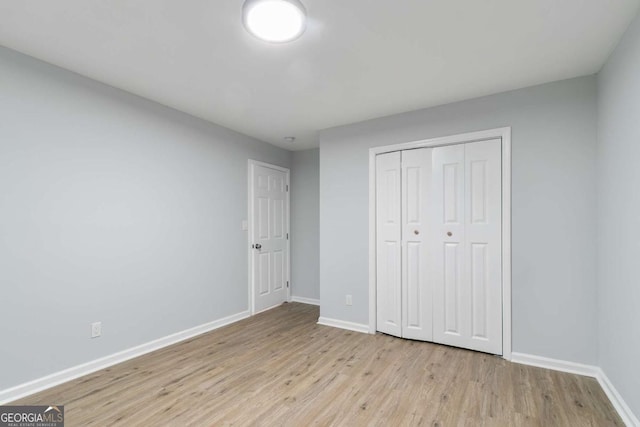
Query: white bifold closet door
{"x":439,"y":245}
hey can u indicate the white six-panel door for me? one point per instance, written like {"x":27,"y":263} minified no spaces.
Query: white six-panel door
{"x":439,"y":245}
{"x":269,"y":237}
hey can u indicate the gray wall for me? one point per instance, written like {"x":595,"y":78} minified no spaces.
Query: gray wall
{"x":305,"y":224}
{"x":619,"y":217}
{"x":553,"y":199}
{"x":112,"y":208}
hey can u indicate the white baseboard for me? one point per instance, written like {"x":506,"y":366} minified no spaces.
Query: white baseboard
{"x":351,"y":326}
{"x":31,"y":387}
{"x":616,"y":399}
{"x":305,"y":300}
{"x":555,"y":364}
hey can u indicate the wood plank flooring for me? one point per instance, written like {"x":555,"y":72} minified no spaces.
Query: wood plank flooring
{"x":280,"y":368}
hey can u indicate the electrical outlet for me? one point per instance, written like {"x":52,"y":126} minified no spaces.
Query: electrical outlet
{"x":349,"y":300}
{"x":96,"y":329}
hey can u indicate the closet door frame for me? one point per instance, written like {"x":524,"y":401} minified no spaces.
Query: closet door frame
{"x":504,"y":134}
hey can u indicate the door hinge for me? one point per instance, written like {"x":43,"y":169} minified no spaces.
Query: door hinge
{"x":287,"y":283}
{"x":287,"y":187}
{"x":287,"y":236}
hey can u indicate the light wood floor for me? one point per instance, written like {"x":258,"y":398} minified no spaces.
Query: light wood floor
{"x":280,"y":368}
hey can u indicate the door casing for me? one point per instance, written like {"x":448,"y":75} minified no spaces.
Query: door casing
{"x":504,"y":134}
{"x":251,"y":226}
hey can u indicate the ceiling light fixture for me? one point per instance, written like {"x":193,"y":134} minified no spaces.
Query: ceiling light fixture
{"x":276,"y":21}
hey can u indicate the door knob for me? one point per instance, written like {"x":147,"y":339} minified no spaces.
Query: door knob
{"x":257,"y":246}
{"x":449,"y":233}
{"x":416,"y":232}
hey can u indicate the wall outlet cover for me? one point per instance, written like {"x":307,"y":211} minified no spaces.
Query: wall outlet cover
{"x":96,"y":329}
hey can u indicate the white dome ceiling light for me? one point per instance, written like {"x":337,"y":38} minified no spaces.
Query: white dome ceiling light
{"x":275,"y":21}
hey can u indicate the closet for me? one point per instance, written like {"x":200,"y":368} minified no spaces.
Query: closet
{"x":439,"y":244}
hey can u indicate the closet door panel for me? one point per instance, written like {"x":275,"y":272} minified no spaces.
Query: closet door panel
{"x":450,"y":302}
{"x":416,"y":287}
{"x":388,"y":244}
{"x":483,"y":245}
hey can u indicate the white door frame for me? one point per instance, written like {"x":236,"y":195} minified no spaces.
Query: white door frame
{"x":251,"y":226}
{"x":505,"y":135}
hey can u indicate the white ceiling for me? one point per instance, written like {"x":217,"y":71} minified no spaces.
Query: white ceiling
{"x":358,"y":59}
